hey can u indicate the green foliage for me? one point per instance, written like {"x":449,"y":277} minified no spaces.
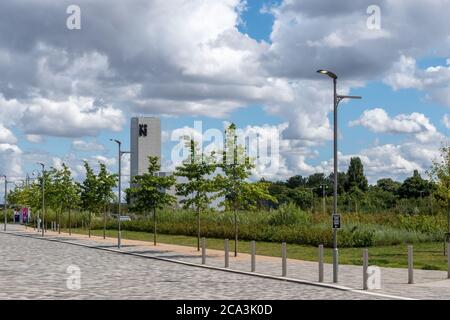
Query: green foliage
{"x":232,"y":184}
{"x":196,"y":169}
{"x":148,"y":191}
{"x":414,"y":187}
{"x":355,"y":176}
{"x":289,"y":214}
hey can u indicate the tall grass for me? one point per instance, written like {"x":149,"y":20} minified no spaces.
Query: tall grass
{"x":287,"y":223}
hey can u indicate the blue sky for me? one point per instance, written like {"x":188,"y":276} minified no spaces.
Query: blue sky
{"x":224,"y":61}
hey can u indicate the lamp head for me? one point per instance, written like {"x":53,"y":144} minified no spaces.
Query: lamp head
{"x":328,"y":73}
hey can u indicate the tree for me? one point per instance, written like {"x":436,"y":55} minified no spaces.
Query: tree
{"x":198,"y":189}
{"x":232,"y":182}
{"x":355,"y":175}
{"x":414,"y":187}
{"x":342,"y":180}
{"x":296,"y":182}
{"x":66,"y":193}
{"x":389,"y":185}
{"x":89,"y":193}
{"x":302,"y":197}
{"x":440,"y":175}
{"x":148,"y":191}
{"x":105,"y":184}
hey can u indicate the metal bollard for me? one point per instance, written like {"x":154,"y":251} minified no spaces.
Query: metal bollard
{"x":283,"y":261}
{"x":365,"y":268}
{"x":336,"y":271}
{"x":448,"y":261}
{"x":410,"y":265}
{"x":227,"y":254}
{"x":253,"y":249}
{"x":321,"y":263}
{"x":203,"y":250}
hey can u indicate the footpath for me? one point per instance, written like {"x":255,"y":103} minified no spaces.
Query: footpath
{"x":428,"y":284}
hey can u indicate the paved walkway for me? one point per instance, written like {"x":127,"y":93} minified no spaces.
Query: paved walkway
{"x":428,"y":284}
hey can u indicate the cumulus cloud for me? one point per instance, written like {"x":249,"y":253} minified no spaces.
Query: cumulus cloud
{"x":377,"y":120}
{"x":179,"y":58}
{"x":6,"y":135}
{"x":81,"y":145}
{"x":10,"y":160}
{"x":433,"y":80}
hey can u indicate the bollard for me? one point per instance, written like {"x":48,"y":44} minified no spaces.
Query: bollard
{"x":203,"y":250}
{"x":365,"y":268}
{"x":283,"y":261}
{"x":253,"y":267}
{"x":336,"y":270}
{"x":321,"y":263}
{"x":410,"y":265}
{"x":448,"y":261}
{"x":227,"y":254}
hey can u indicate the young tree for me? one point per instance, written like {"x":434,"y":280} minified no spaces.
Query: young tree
{"x":440,"y":175}
{"x":105,"y":184}
{"x":199,"y":188}
{"x":148,"y":191}
{"x":232,"y":182}
{"x":67,"y":193}
{"x":89,"y":193}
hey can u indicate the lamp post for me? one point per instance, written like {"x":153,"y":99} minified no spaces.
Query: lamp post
{"x":43,"y":197}
{"x":4,"y":207}
{"x":336,"y":99}
{"x":119,"y":144}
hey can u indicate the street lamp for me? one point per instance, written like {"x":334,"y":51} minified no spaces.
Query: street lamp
{"x":43,"y":197}
{"x":119,"y":144}
{"x":336,"y":99}
{"x":6,"y":186}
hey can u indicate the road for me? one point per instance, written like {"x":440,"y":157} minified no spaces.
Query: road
{"x":32,"y":268}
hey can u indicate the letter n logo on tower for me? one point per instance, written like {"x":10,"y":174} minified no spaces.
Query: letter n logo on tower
{"x":142,"y":130}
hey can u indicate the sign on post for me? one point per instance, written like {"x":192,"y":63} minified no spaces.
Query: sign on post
{"x":336,"y":221}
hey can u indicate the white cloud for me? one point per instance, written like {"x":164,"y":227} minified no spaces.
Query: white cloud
{"x":435,"y":81}
{"x":34,"y":138}
{"x":416,"y":124}
{"x":81,"y":145}
{"x":6,"y":135}
{"x":10,"y":160}
{"x":446,"y":121}
{"x":75,"y":117}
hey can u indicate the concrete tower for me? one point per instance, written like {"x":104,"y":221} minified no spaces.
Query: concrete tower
{"x":145,"y":138}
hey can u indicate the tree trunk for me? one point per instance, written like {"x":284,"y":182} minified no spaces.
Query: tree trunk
{"x":154,"y":226}
{"x":70,"y":224}
{"x":104,"y":223}
{"x":198,"y":229}
{"x":89,"y":227}
{"x":59,"y":221}
{"x":235,"y":232}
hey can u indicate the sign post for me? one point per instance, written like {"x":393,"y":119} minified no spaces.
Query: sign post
{"x":336,"y":221}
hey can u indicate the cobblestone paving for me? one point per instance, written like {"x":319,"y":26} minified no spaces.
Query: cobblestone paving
{"x":32,"y":268}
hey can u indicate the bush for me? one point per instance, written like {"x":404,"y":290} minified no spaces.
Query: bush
{"x":287,"y":223}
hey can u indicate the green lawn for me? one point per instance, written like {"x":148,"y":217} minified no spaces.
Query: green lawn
{"x":426,"y":255}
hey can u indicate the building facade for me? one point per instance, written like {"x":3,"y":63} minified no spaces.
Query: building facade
{"x":145,"y":141}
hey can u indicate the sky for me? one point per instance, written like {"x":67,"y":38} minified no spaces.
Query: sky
{"x":67,"y":88}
